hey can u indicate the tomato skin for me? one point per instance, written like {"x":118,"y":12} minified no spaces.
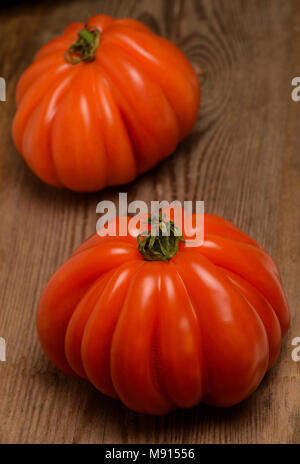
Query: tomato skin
{"x":204,"y":326}
{"x":90,"y":125}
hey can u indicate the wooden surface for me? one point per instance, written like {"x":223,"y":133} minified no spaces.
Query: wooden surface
{"x":242,"y":159}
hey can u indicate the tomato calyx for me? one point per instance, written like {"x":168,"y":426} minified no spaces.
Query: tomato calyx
{"x":161,"y":242}
{"x":85,"y":47}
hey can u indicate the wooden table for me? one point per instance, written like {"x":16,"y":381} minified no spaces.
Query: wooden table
{"x":242,"y":159}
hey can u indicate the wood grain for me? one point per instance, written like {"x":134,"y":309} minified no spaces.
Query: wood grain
{"x":242,"y":159}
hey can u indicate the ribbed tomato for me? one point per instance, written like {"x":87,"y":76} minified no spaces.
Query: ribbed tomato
{"x":103,"y":103}
{"x":161,"y":324}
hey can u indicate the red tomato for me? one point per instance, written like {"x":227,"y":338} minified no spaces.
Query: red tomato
{"x":198,"y":324}
{"x":103,"y":103}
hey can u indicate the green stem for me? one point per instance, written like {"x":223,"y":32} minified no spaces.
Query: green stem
{"x":85,"y":47}
{"x":161,"y":242}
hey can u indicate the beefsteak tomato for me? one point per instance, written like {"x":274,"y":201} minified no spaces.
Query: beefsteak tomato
{"x":159,"y":324}
{"x":103,"y":103}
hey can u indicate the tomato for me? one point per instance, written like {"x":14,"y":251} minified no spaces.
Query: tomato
{"x":161,"y":324}
{"x":103,"y":103}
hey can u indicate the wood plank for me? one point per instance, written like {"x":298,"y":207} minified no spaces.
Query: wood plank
{"x":242,"y":159}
